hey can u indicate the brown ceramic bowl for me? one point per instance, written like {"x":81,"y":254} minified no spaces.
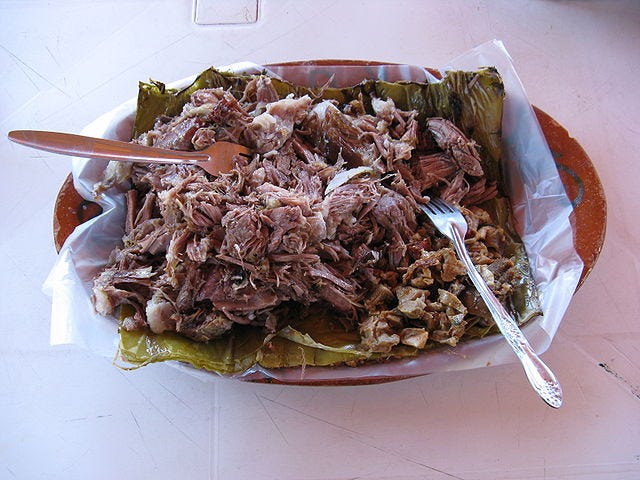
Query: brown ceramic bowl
{"x":576,"y":171}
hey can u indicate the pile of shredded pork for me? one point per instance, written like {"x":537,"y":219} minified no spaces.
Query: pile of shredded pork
{"x":324,"y":214}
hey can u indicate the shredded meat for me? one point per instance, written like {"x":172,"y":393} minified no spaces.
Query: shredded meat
{"x":325,"y":213}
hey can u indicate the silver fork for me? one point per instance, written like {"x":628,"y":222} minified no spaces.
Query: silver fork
{"x":452,"y":224}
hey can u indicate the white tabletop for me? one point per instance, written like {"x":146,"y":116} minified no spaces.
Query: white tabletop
{"x":68,"y":413}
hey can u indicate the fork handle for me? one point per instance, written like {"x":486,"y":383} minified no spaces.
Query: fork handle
{"x":100,"y":148}
{"x":539,"y":375}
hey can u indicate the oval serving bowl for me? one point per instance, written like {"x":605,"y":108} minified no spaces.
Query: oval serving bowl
{"x":577,"y":173}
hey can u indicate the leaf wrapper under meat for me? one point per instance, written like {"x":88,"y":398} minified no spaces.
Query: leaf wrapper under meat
{"x":472,"y":100}
{"x":247,"y":346}
{"x":227,"y":355}
{"x":292,"y":346}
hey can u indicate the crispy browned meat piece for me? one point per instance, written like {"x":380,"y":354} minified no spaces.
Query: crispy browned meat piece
{"x":450,"y":139}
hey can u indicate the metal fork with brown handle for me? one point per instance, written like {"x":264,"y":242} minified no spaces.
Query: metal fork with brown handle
{"x":450,"y":222}
{"x":215,"y":159}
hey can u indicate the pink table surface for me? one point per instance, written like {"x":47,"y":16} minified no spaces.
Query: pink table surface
{"x":67,"y":413}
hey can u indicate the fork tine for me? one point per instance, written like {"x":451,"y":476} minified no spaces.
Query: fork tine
{"x":445,"y":217}
{"x":440,"y":204}
{"x":428,"y":208}
{"x":435,"y":206}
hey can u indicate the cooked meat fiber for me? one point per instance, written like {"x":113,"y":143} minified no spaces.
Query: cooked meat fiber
{"x":325,"y":213}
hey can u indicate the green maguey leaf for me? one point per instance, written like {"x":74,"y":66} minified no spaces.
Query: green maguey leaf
{"x":243,"y":347}
{"x":231,"y":353}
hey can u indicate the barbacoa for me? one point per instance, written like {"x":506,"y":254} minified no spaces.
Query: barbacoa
{"x":324,"y":215}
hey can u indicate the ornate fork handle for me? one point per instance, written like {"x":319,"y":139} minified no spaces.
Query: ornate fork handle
{"x":541,"y":378}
